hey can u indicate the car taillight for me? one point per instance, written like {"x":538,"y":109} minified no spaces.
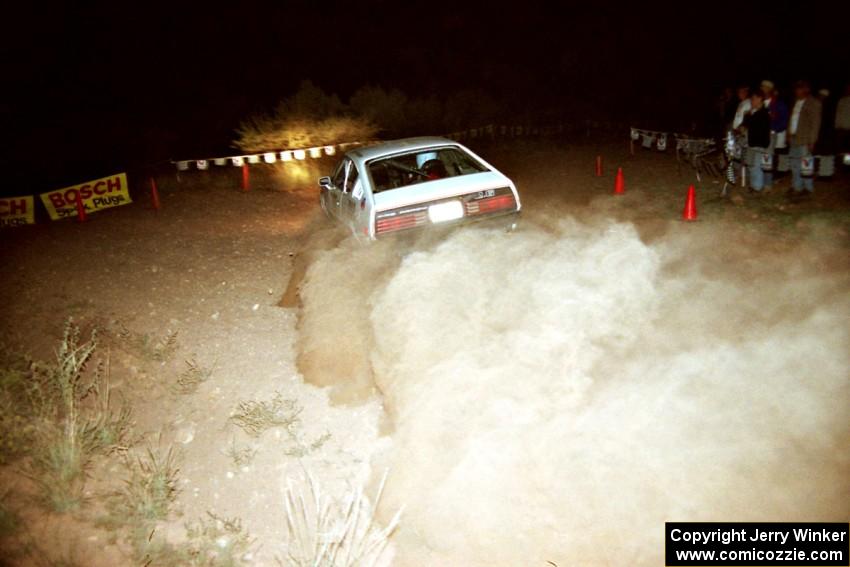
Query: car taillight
{"x":474,"y":204}
{"x":400,"y":221}
{"x":491,"y":204}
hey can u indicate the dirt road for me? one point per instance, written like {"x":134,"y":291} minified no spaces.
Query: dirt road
{"x":604,"y":368}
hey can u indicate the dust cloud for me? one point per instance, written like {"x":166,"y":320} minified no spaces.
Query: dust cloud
{"x":556,"y":394}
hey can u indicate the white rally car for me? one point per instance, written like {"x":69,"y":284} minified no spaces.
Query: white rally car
{"x":415,"y":183}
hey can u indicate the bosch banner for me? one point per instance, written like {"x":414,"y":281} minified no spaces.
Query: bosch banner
{"x":16,"y":211}
{"x":96,"y":195}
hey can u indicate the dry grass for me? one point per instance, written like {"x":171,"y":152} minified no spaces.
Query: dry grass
{"x":147,"y":497}
{"x":327,"y":533}
{"x":213,"y":541}
{"x":60,"y":414}
{"x":192,"y":377}
{"x":301,"y":449}
{"x":152,"y":348}
{"x":256,"y":417}
{"x":240,"y":455}
{"x":72,"y":420}
{"x":149,"y":490}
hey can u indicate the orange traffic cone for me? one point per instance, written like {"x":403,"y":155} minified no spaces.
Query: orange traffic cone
{"x":619,"y":182}
{"x":690,"y":212}
{"x":81,"y":209}
{"x":245,"y":177}
{"x":154,"y":195}
{"x":598,"y":166}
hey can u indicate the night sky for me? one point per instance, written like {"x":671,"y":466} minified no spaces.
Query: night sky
{"x":93,"y":88}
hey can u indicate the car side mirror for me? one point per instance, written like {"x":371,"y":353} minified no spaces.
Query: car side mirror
{"x":325,"y":182}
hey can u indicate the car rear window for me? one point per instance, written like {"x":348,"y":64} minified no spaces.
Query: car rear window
{"x":421,"y":166}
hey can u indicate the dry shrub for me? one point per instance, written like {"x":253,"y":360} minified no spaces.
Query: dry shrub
{"x":149,"y":489}
{"x":73,"y":420}
{"x":148,"y":347}
{"x":308,"y":118}
{"x":280,"y":132}
{"x":192,"y":377}
{"x":312,"y":117}
{"x":255,"y":417}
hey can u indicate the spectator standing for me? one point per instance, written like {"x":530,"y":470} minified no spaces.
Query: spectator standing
{"x":744,"y":107}
{"x":804,"y":128}
{"x":778,"y":128}
{"x":826,"y":139}
{"x":736,"y":138}
{"x":842,"y":126}
{"x":757,"y":123}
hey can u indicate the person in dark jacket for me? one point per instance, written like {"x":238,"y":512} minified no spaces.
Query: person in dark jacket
{"x":778,"y":127}
{"x":759,"y":158}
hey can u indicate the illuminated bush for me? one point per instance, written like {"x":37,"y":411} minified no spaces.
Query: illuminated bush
{"x":312,"y":117}
{"x":308,"y":118}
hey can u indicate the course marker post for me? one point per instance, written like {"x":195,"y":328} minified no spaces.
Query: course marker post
{"x":246,"y":179}
{"x":81,"y":208}
{"x":154,"y":195}
{"x":690,"y":212}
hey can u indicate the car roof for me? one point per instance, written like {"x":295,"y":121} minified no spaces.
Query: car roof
{"x":366,"y":153}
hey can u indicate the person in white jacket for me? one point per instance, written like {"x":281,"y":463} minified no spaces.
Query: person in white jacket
{"x":744,"y":107}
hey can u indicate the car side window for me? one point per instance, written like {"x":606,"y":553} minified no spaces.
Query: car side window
{"x":350,"y":176}
{"x":338,"y":178}
{"x":345,"y":176}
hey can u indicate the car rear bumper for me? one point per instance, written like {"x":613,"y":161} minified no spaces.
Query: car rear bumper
{"x":508,"y":220}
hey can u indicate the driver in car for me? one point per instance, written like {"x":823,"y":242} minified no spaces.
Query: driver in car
{"x":431,"y":165}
